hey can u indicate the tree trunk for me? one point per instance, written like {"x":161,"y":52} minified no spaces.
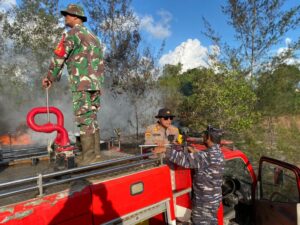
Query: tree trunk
{"x":137,"y":122}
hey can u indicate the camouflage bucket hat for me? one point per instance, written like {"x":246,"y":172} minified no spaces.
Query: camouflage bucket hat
{"x":74,"y":10}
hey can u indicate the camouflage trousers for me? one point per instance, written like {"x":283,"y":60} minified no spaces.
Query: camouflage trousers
{"x":205,"y":214}
{"x":86,"y":104}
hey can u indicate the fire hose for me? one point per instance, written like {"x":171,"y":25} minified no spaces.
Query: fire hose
{"x":62,"y":139}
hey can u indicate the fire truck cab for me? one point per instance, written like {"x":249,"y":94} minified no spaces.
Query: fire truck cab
{"x":271,"y":198}
{"x":135,"y":189}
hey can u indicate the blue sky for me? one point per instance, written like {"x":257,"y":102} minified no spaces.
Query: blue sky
{"x":186,"y":18}
{"x":180,"y":24}
{"x":183,"y":26}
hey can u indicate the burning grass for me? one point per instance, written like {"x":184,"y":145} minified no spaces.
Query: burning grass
{"x":19,"y":137}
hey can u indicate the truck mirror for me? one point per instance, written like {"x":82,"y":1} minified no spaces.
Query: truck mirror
{"x":278,"y":176}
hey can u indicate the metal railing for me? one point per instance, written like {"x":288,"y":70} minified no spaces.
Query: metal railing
{"x":77,"y":173}
{"x":142,"y":147}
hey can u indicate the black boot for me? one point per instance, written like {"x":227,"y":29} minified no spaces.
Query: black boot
{"x":97,"y":144}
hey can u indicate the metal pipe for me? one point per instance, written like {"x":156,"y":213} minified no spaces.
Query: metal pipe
{"x":15,"y":182}
{"x":40,"y":184}
{"x":14,"y":151}
{"x":76,"y":178}
{"x":148,"y":146}
{"x":23,"y":149}
{"x":25,"y":156}
{"x":96,"y":165}
{"x":151,"y":146}
{"x":15,"y":154}
{"x":2,"y":195}
{"x":79,"y":169}
{"x":114,"y":169}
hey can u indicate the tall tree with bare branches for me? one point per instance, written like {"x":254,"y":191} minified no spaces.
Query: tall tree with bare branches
{"x":258,"y":25}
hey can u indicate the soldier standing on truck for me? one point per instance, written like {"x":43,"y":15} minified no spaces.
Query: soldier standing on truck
{"x":162,"y":130}
{"x":207,"y":180}
{"x":81,"y":51}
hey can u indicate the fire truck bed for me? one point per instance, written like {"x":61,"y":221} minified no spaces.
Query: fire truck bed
{"x":20,"y":169}
{"x":26,"y":170}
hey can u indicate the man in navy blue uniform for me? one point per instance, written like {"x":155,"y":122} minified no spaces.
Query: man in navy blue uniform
{"x":207,"y":180}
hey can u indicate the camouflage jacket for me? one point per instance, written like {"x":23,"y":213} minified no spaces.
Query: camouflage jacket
{"x":83,"y":57}
{"x":208,"y":175}
{"x":157,"y":133}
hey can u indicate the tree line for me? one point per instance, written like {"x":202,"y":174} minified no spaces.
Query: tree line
{"x":245,"y":88}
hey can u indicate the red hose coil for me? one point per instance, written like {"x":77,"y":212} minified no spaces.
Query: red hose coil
{"x":62,"y":138}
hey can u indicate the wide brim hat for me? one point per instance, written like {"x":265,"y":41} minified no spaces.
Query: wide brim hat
{"x":74,"y":10}
{"x":164,"y":112}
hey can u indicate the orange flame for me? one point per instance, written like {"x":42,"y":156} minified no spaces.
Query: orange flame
{"x":23,"y":139}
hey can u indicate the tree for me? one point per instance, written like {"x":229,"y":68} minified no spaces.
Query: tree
{"x":31,"y":28}
{"x":34,"y":28}
{"x":258,"y":25}
{"x":116,"y":24}
{"x":206,"y":97}
{"x":129,"y":69}
{"x":1,"y":34}
{"x":169,"y":85}
{"x":225,"y":100}
{"x":278,"y":91}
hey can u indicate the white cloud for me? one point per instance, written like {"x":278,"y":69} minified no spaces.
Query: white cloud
{"x":288,"y":41}
{"x":282,"y":50}
{"x":160,"y":28}
{"x":191,"y":54}
{"x":7,"y":4}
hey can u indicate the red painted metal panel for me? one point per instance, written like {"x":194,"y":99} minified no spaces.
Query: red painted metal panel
{"x":60,"y":208}
{"x":220,"y":215}
{"x":112,"y":199}
{"x":184,"y":201}
{"x":182,"y":178}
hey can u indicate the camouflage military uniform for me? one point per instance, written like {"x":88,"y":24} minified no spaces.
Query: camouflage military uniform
{"x":84,"y":59}
{"x":157,"y":133}
{"x":207,"y":181}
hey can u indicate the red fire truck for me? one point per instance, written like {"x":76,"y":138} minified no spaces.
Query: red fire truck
{"x":142,"y":189}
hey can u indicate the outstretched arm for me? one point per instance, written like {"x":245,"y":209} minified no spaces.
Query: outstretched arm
{"x":191,"y":159}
